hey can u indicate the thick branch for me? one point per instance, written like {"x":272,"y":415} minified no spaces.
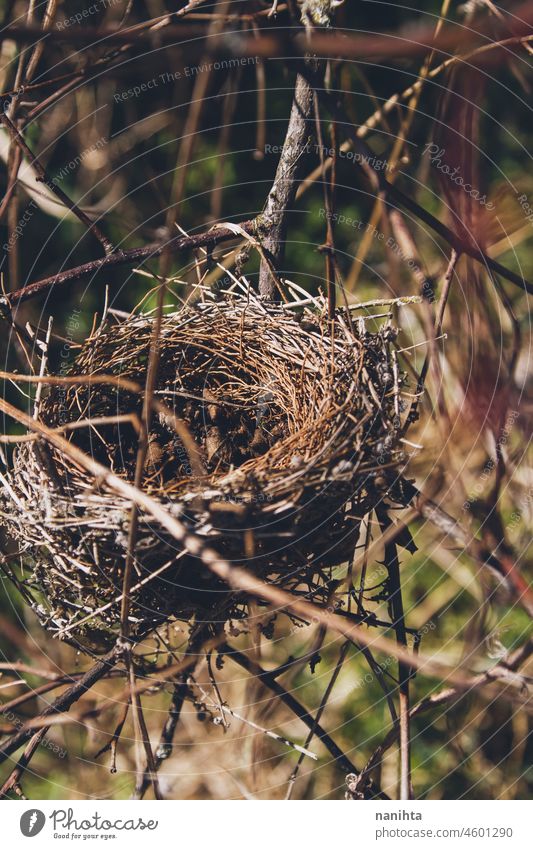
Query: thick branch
{"x":272,"y":223}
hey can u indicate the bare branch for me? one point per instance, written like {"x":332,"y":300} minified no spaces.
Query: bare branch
{"x":273,"y":221}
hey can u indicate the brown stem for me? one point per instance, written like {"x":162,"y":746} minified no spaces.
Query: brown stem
{"x":142,"y":736}
{"x":290,"y":42}
{"x":166,"y":741}
{"x":323,"y":702}
{"x":328,"y":192}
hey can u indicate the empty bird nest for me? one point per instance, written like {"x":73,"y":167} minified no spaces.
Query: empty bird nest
{"x":274,"y":431}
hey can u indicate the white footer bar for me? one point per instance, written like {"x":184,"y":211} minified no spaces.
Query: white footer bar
{"x":269,"y":824}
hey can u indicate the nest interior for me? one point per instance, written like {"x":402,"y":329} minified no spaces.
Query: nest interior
{"x":275,"y":433}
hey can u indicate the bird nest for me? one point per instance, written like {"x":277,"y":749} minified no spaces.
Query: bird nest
{"x":274,"y":432}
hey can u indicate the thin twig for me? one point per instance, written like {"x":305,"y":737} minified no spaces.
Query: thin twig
{"x":394,"y":195}
{"x":323,"y":702}
{"x":166,"y":742}
{"x":65,"y":701}
{"x":13,"y":780}
{"x":398,"y":619}
{"x":141,"y":732}
{"x":211,"y":238}
{"x":223,"y":709}
{"x":505,"y":671}
{"x":288,"y":699}
{"x":52,"y":185}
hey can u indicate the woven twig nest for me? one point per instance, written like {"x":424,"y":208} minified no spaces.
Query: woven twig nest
{"x":288,"y":436}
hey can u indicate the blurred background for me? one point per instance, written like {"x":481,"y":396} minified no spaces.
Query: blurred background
{"x":125,"y":127}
